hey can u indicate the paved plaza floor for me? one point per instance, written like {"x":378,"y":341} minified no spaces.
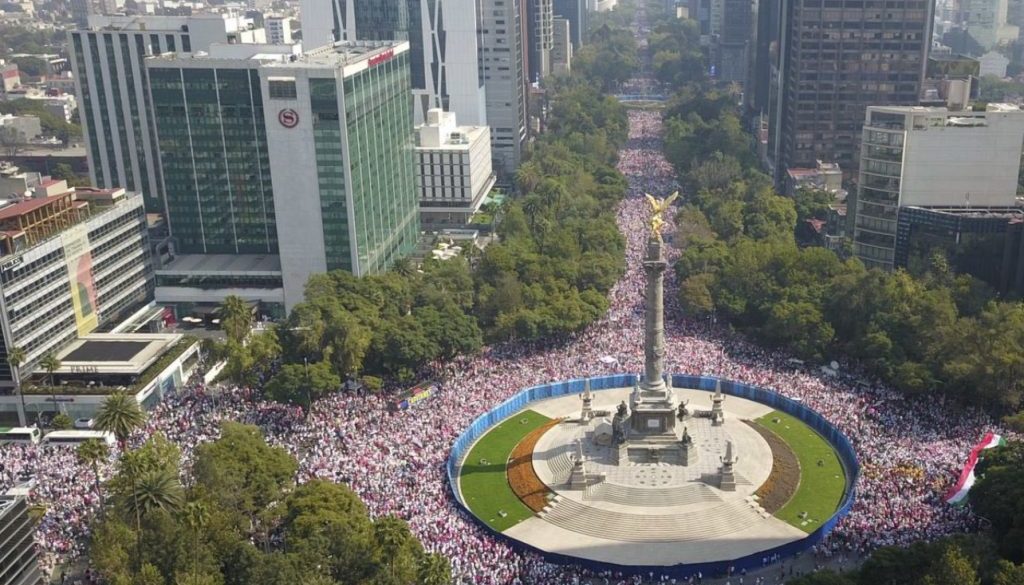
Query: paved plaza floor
{"x":653,"y":514}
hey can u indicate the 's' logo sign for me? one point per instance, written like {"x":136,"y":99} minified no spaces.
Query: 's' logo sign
{"x":288,"y":118}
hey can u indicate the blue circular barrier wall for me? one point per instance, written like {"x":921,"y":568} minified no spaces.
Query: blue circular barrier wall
{"x":767,"y":397}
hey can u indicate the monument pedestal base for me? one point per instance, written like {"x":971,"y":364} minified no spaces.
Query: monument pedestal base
{"x":687,"y":455}
{"x":727,"y":483}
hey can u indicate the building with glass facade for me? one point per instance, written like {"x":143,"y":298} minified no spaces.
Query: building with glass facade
{"x":117,"y":119}
{"x":834,"y":59}
{"x":576,"y":12}
{"x":443,"y":46}
{"x":340,"y":139}
{"x":292,"y":163}
{"x":213,"y":151}
{"x":19,"y":557}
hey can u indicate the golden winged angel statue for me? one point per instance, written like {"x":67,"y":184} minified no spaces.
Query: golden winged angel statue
{"x":658,"y":208}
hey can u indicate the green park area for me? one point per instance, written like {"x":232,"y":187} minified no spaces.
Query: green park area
{"x":483,"y":480}
{"x":822,"y":477}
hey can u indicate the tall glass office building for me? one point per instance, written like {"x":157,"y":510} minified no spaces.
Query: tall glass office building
{"x":443,"y":46}
{"x":212,"y":143}
{"x":340,"y":138}
{"x":307,"y":157}
{"x":107,"y":58}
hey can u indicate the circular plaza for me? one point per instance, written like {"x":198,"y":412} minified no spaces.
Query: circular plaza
{"x":742,"y":475}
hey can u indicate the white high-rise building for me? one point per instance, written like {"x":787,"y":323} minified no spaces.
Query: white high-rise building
{"x":987,"y":24}
{"x":279,"y":30}
{"x":443,"y":41}
{"x":117,"y":120}
{"x":502,"y":56}
{"x":915,"y":156}
{"x":453,"y":169}
{"x":561,"y":47}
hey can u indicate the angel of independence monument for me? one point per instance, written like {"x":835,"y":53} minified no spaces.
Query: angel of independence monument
{"x":654,"y":404}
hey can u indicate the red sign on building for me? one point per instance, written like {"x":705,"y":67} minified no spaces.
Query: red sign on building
{"x":288,"y":118}
{"x":382,"y":58}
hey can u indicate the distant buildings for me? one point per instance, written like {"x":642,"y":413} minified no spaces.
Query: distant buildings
{"x":27,"y":127}
{"x":503,"y":63}
{"x":561,"y":47}
{"x":733,"y":44}
{"x":823,"y":177}
{"x":830,"y":65}
{"x":10,"y":77}
{"x":994,"y":63}
{"x":578,"y":15}
{"x":931,"y":157}
{"x":453,"y":169}
{"x":279,"y":30}
{"x":443,"y":40}
{"x":467,"y":57}
{"x":540,"y":40}
{"x":986,"y":23}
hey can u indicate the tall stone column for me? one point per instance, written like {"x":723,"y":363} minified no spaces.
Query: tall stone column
{"x":654,"y":327}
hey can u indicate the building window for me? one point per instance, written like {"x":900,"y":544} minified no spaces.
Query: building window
{"x":282,"y":89}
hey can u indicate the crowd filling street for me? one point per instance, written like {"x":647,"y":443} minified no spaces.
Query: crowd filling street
{"x":910,"y":450}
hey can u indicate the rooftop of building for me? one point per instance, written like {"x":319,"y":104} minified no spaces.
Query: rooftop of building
{"x":347,"y":54}
{"x":52,"y":209}
{"x":115,"y":353}
{"x":214,"y":264}
{"x":441,"y":131}
{"x":1015,"y":214}
{"x":162,"y":23}
{"x":967,"y":112}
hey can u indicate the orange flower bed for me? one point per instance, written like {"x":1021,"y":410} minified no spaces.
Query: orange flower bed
{"x":521,"y":477}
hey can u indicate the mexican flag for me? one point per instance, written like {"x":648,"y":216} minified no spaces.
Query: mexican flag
{"x":957,"y":495}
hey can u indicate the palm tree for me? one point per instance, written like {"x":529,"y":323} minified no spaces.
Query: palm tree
{"x":15,"y":358}
{"x":91,"y":453}
{"x":527,"y":177}
{"x":532,"y":205}
{"x":434,"y":569}
{"x":156,"y":489}
{"x":235,"y":318}
{"x":403,"y":267}
{"x":196,"y":517}
{"x":51,"y":364}
{"x":131,"y":465}
{"x":391,"y":534}
{"x":120,"y":414}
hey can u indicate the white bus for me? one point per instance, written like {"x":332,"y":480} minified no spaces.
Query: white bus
{"x":75,"y":438}
{"x":21,"y":435}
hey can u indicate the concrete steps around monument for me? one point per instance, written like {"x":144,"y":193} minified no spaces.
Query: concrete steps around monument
{"x":701,"y":524}
{"x":560,"y":466}
{"x":684,"y":495}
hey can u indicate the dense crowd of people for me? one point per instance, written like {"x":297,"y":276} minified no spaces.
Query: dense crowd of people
{"x":910,"y":450}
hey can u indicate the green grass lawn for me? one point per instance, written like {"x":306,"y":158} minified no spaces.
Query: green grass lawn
{"x":484,"y":483}
{"x":821,"y":486}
